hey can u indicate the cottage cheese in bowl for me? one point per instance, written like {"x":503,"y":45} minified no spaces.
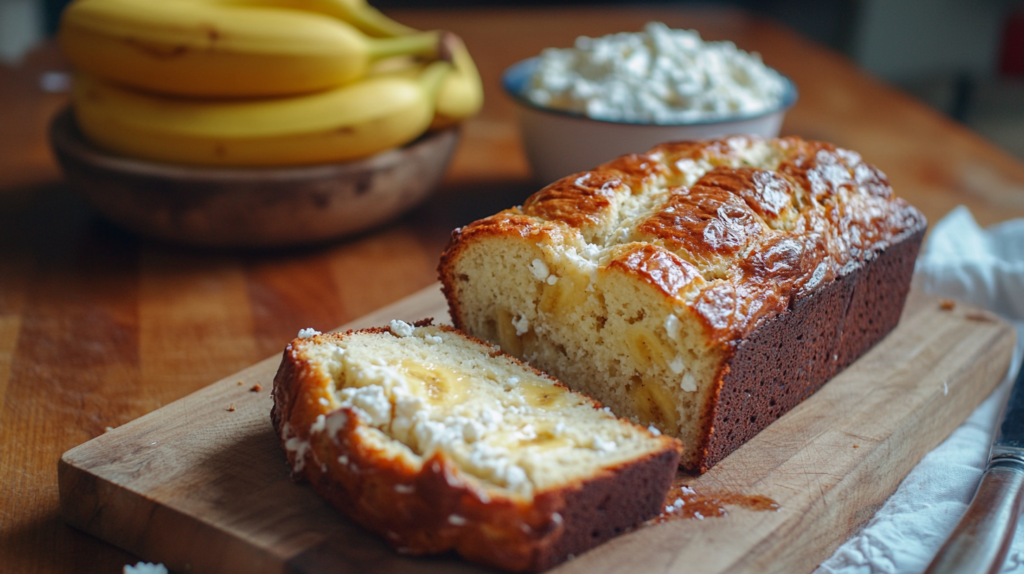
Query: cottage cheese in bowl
{"x":627,"y":92}
{"x":658,"y":76}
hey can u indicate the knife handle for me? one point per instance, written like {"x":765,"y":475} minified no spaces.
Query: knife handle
{"x":982,"y":538}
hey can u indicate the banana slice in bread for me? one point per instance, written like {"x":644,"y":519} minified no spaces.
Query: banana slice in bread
{"x":438,"y":441}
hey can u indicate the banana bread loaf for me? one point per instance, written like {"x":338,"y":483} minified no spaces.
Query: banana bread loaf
{"x":437,"y":441}
{"x":704,"y":288}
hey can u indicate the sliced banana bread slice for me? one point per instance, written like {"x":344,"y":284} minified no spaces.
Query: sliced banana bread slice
{"x":439,"y":441}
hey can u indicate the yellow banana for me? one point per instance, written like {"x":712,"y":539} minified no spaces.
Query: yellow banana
{"x":209,"y":50}
{"x":346,"y":123}
{"x":462,"y":94}
{"x":358,"y":13}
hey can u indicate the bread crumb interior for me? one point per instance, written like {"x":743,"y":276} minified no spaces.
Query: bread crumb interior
{"x":429,"y":390}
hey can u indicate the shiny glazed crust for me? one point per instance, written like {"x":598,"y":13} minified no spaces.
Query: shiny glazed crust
{"x":793,"y":258}
{"x":434,"y":507}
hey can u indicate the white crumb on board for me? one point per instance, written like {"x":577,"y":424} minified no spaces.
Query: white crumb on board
{"x":145,"y":568}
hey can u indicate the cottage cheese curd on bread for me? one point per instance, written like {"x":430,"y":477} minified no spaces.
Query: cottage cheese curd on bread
{"x":704,"y":288}
{"x":438,"y":441}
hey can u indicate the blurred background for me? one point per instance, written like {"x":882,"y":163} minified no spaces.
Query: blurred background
{"x":963,"y":57}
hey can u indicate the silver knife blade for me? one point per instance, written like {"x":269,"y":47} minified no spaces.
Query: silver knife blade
{"x":1009,"y":439}
{"x":982,"y":538}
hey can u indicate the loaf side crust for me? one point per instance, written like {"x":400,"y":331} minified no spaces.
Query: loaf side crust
{"x":794,"y":354}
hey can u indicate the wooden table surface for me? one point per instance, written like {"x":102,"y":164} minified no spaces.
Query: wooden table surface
{"x":98,"y":327}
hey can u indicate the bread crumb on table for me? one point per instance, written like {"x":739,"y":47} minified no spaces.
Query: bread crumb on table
{"x":231,"y":408}
{"x":947,"y":304}
{"x":256,"y":388}
{"x":980,"y":316}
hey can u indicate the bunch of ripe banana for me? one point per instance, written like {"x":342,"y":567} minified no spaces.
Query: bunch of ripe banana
{"x":260,"y":82}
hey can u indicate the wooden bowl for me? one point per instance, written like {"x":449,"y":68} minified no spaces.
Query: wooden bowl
{"x":250,"y":207}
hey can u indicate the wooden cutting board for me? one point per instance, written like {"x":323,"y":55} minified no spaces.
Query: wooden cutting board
{"x":203,"y":486}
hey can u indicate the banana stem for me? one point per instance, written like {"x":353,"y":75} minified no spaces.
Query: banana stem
{"x":418,"y":44}
{"x":461,"y":58}
{"x":432,"y":77}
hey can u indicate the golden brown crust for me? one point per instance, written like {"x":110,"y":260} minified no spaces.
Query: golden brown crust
{"x":434,"y":507}
{"x":446,"y":272}
{"x":639,"y":169}
{"x":703,"y":221}
{"x":580,"y":201}
{"x":657,"y":267}
{"x":767,"y":193}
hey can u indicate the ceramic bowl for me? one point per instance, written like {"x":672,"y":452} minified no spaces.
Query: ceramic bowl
{"x":250,"y":207}
{"x":558,"y":143}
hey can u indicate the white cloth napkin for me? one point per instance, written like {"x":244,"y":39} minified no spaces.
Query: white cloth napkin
{"x":984,"y":267}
